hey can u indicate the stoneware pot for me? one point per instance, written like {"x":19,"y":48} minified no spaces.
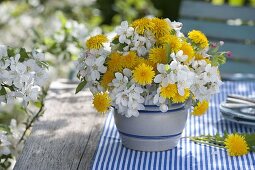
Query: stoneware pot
{"x":152,"y":130}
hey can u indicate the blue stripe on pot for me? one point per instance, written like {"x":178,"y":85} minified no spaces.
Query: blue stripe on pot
{"x":182,"y":106}
{"x":158,"y":111}
{"x":173,"y":104}
{"x":150,"y":137}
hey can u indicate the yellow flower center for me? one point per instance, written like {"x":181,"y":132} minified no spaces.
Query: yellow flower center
{"x":158,"y":55}
{"x":180,"y":99}
{"x":198,"y":38}
{"x":161,"y":27}
{"x":143,"y":24}
{"x":187,"y":50}
{"x":102,"y":102}
{"x":107,"y":78}
{"x":172,"y":40}
{"x":143,"y":74}
{"x":130,"y":60}
{"x":96,"y":42}
{"x":200,"y":108}
{"x":169,"y":91}
{"x":115,"y":62}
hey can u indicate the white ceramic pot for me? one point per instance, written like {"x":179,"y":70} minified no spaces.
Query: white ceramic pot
{"x":152,"y":130}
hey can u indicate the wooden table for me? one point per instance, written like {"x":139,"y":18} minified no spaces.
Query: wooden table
{"x":66,"y":136}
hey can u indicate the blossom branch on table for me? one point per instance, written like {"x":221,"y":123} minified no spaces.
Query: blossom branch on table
{"x":150,"y":62}
{"x":236,"y":144}
{"x":22,"y":77}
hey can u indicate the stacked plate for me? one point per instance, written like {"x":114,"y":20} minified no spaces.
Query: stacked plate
{"x":239,"y":109}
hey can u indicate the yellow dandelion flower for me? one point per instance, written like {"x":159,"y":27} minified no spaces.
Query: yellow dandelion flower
{"x":102,"y":102}
{"x":141,"y":60}
{"x":187,"y":50}
{"x":158,"y":55}
{"x":180,"y":99}
{"x":200,"y":57}
{"x":96,"y":42}
{"x":198,"y":38}
{"x":107,"y":78}
{"x":115,"y":62}
{"x":200,"y":108}
{"x":130,"y":60}
{"x":169,"y":91}
{"x":142,"y":24}
{"x":236,"y":145}
{"x":143,"y":74}
{"x":172,"y":40}
{"x":161,"y":27}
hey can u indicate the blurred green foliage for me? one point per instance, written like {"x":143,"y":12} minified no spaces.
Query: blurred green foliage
{"x":45,"y":24}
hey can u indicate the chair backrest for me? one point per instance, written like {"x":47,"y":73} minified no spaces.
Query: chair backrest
{"x":233,"y":25}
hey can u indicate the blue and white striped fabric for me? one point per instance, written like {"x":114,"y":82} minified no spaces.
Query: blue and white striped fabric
{"x":187,"y":155}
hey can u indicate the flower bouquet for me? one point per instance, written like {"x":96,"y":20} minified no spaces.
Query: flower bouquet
{"x":150,"y":66}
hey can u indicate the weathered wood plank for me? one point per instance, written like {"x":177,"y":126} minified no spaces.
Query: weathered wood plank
{"x":66,"y":136}
{"x":220,"y":30}
{"x":240,"y":50}
{"x":199,"y":9}
{"x":237,"y":67}
{"x":87,"y":158}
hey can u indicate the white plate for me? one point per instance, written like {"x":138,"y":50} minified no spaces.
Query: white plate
{"x":231,"y":118}
{"x":244,"y":113}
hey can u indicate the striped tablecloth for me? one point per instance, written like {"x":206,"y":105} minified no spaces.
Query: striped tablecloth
{"x":187,"y":155}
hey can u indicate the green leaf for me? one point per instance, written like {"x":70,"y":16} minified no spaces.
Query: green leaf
{"x":168,"y":52}
{"x":43,"y":64}
{"x":11,"y":52}
{"x":2,"y":91}
{"x":218,"y":60}
{"x":173,"y":32}
{"x":9,"y":87}
{"x":23,"y":54}
{"x":38,"y":104}
{"x":62,"y":18}
{"x":49,"y":42}
{"x":115,"y":41}
{"x":80,"y":86}
{"x":250,"y":139}
{"x":5,"y":128}
{"x":121,"y":46}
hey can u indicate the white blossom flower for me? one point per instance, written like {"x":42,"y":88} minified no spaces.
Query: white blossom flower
{"x":129,"y":101}
{"x":163,"y":77}
{"x":16,"y":130}
{"x":163,"y":108}
{"x":139,"y":45}
{"x":207,"y":80}
{"x":4,"y":144}
{"x":181,"y":75}
{"x":210,"y":74}
{"x":124,"y":32}
{"x":177,"y":26}
{"x":95,"y":66}
{"x":38,"y":56}
{"x":142,"y":43}
{"x":25,"y":78}
{"x":3,"y":51}
{"x":120,"y":82}
{"x":179,"y":56}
